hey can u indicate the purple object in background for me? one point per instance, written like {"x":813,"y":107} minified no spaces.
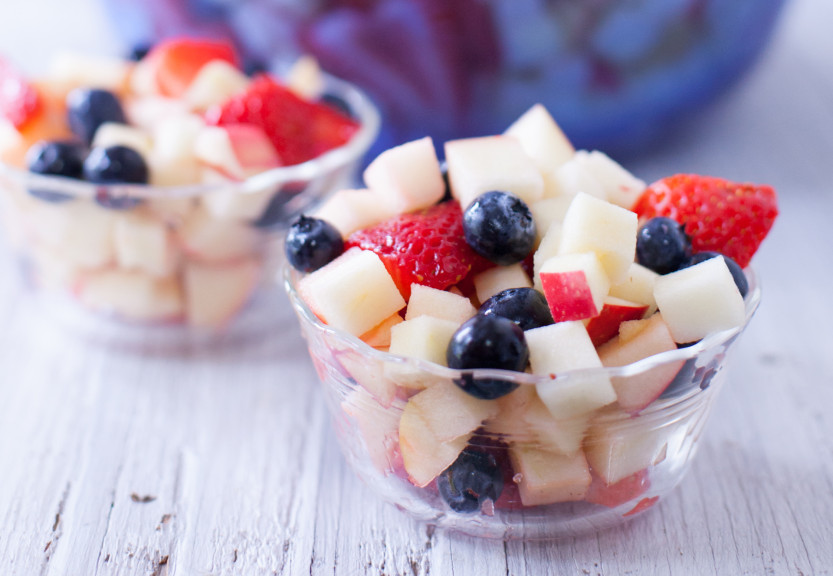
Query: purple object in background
{"x":616,"y":74}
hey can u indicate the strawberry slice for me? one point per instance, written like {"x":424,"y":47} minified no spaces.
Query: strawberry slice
{"x":177,"y":61}
{"x":299,"y":130}
{"x":19,"y":100}
{"x":425,"y":247}
{"x":718,"y":215}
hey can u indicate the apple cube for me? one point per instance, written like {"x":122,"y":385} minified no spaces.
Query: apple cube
{"x":228,"y":202}
{"x":637,"y":286}
{"x":547,"y":477}
{"x":215,"y":83}
{"x":53,"y":270}
{"x":149,"y":112}
{"x":115,"y":134}
{"x":544,"y":142}
{"x":236,"y":150}
{"x":216,"y":293}
{"x":574,"y":285}
{"x":368,"y":375}
{"x":172,"y":161}
{"x":425,"y":338}
{"x":427,"y":301}
{"x":80,"y":231}
{"x":593,"y":225}
{"x":500,"y":278}
{"x":172,"y":210}
{"x":547,"y":212}
{"x":131,"y":294}
{"x":605,"y":326}
{"x":144,"y":244}
{"x":615,"y":451}
{"x":407,"y":177}
{"x":378,"y":427}
{"x":84,"y":70}
{"x":479,"y":165}
{"x":699,"y":300}
{"x":435,"y":427}
{"x":305,"y":78}
{"x":621,"y":187}
{"x":351,"y":210}
{"x":573,"y":178}
{"x":353,"y":293}
{"x":548,"y":248}
{"x":561,"y":348}
{"x":379,"y":336}
{"x":208,"y":239}
{"x":618,"y":493}
{"x":651,"y":337}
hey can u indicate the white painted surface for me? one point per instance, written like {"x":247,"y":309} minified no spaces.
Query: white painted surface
{"x":240,"y":468}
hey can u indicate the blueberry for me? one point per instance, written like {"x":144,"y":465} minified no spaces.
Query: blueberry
{"x":311,"y":243}
{"x":526,"y":307}
{"x":139,"y":51}
{"x":499,"y":226}
{"x":115,"y":165}
{"x":737,"y":272}
{"x":662,"y":245}
{"x":89,"y":108}
{"x":472,"y":479}
{"x":487,"y":341}
{"x":55,"y":159}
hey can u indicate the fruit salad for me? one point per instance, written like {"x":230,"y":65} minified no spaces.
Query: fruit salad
{"x":151,"y":189}
{"x":525,"y":325}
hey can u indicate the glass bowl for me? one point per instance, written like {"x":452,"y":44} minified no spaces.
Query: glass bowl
{"x":162,"y":266}
{"x":401,"y":421}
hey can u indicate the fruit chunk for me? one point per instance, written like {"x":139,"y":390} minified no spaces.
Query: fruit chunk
{"x":637,"y":391}
{"x":305,"y":78}
{"x":131,"y":294}
{"x":352,"y":210}
{"x":378,"y":426}
{"x":593,"y":225}
{"x":435,"y":427}
{"x":575,"y":286}
{"x":216,"y":293}
{"x":353,"y":293}
{"x":524,"y":306}
{"x":438,"y":304}
{"x":236,"y":150}
{"x":478,"y":165}
{"x":699,"y":300}
{"x":216,"y":82}
{"x":379,"y":335}
{"x":425,"y":338}
{"x":177,"y":62}
{"x":495,"y":280}
{"x":614,"y":311}
{"x":547,"y":477}
{"x":144,"y":244}
{"x":637,"y":286}
{"x":617,"y":449}
{"x":76,"y":70}
{"x":80,"y":231}
{"x":618,"y":493}
{"x":407,"y":177}
{"x":473,"y":478}
{"x":116,"y":134}
{"x":312,"y":243}
{"x":208,"y":239}
{"x":499,"y":226}
{"x":718,"y":215}
{"x":19,"y":100}
{"x":172,"y":161}
{"x":562,"y":348}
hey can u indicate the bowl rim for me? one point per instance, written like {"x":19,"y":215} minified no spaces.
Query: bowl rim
{"x":365,"y":111}
{"x":711,"y":342}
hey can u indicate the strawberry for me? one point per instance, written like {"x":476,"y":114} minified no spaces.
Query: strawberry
{"x":178,"y":61}
{"x":718,"y":215}
{"x":19,"y":100}
{"x":299,"y":130}
{"x":425,"y":247}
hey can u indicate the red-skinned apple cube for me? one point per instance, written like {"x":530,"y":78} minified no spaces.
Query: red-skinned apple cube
{"x":614,"y":311}
{"x":574,"y":285}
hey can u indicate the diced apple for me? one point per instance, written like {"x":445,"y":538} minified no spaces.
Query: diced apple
{"x":144,"y":244}
{"x":500,"y":278}
{"x":621,"y":187}
{"x":172,"y":210}
{"x":53,"y":272}
{"x":573,"y":178}
{"x":574,"y":285}
{"x":172,"y":161}
{"x":637,"y":391}
{"x":547,"y":212}
{"x":151,"y":111}
{"x":215,"y":83}
{"x":699,"y":300}
{"x":208,"y":239}
{"x":425,"y":338}
{"x":229,"y":202}
{"x":435,"y":427}
{"x":378,"y":426}
{"x":616,"y":451}
{"x":78,"y":230}
{"x":379,"y":335}
{"x":236,"y":150}
{"x":564,"y":351}
{"x":547,"y":477}
{"x":548,"y":248}
{"x":132,"y":295}
{"x":351,"y":210}
{"x":369,"y":375}
{"x":84,"y":70}
{"x":614,"y":311}
{"x":479,"y":165}
{"x":305,"y":78}
{"x":406,"y":177}
{"x":637,"y":286}
{"x":114,"y":134}
{"x":216,"y":293}
{"x":593,"y":225}
{"x":353,"y":293}
{"x":620,"y":492}
{"x":544,"y":142}
{"x":427,"y":301}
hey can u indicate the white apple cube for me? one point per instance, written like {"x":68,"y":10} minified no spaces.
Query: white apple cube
{"x":351,"y":210}
{"x":236,"y":150}
{"x":652,"y":337}
{"x":547,"y":212}
{"x":79,"y":230}
{"x":574,"y":285}
{"x":353,"y":293}
{"x":593,"y":225}
{"x":379,"y":336}
{"x":616,"y":452}
{"x":53,"y":271}
{"x":173,"y":210}
{"x":229,"y":202}
{"x":131,"y":294}
{"x":574,"y":177}
{"x":500,"y":278}
{"x":407,"y":177}
{"x":115,"y":134}
{"x":479,"y":165}
{"x":144,"y":244}
{"x":425,"y":338}
{"x":699,"y":300}
{"x":215,"y":83}
{"x":172,"y":161}
{"x":547,"y":248}
{"x":547,"y":477}
{"x":621,"y":187}
{"x":89,"y":71}
{"x":216,"y":293}
{"x":427,"y":301}
{"x":305,"y":78}
{"x":378,"y":426}
{"x":148,"y":112}
{"x":557,"y":350}
{"x":209,"y":239}
{"x":369,"y":375}
{"x":637,"y":286}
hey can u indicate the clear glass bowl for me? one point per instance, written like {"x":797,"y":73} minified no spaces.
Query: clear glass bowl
{"x":164,"y":266}
{"x":584,"y":473}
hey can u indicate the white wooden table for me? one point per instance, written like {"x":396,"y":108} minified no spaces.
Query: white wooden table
{"x":226,"y":464}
